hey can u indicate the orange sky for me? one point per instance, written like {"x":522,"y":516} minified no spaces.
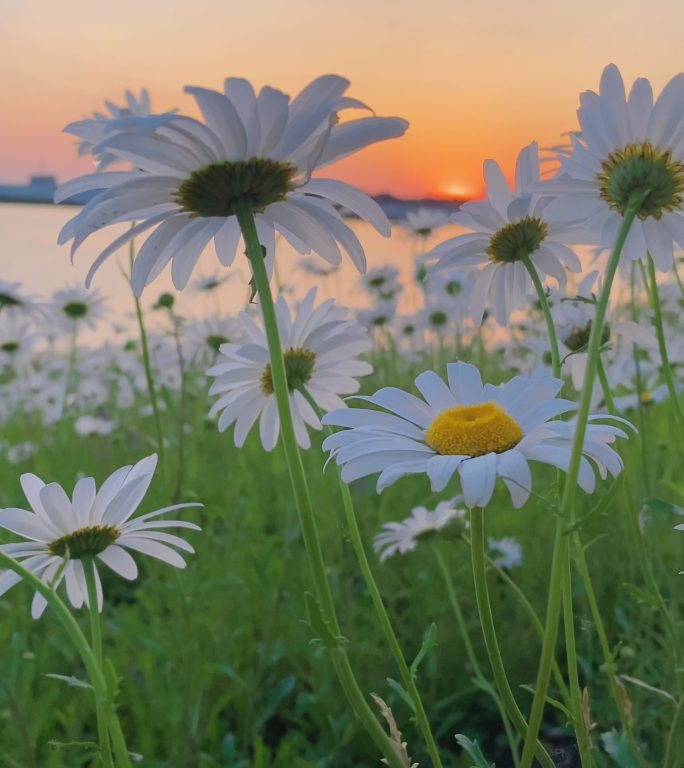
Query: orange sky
{"x":475,"y":79}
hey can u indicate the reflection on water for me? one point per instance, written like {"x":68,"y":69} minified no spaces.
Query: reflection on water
{"x":29,"y":254}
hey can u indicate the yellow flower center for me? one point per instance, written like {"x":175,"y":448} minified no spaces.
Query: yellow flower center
{"x":473,"y":430}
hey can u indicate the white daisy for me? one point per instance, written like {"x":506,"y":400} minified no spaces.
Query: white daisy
{"x":75,"y":306}
{"x":378,"y":316}
{"x":505,"y":228}
{"x":625,"y":144}
{"x":399,"y":538}
{"x":203,"y":338}
{"x":14,"y":302}
{"x":87,"y":425}
{"x":209,"y":283}
{"x":382,"y":282}
{"x":258,"y":151}
{"x":573,"y":317}
{"x":479,"y":431}
{"x":319,"y":348}
{"x":423,"y":222}
{"x":17,"y":342}
{"x":507,"y":552}
{"x":93,"y":525}
{"x":135,"y":117}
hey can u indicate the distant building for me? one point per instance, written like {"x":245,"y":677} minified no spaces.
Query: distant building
{"x":40,"y":189}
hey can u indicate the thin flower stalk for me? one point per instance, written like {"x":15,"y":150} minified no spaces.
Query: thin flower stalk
{"x":309,"y":529}
{"x":96,"y":644}
{"x":584,"y":742}
{"x":94,"y":670}
{"x":484,"y":608}
{"x":383,"y":617}
{"x":567,"y":510}
{"x":511,"y":736}
{"x":662,"y":345}
{"x":149,"y":378}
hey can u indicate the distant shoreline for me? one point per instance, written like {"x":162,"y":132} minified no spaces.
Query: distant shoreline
{"x":394,"y":207}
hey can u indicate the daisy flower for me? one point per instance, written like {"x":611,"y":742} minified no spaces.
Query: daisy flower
{"x":191,"y":177}
{"x":507,"y":552}
{"x":17,"y":341}
{"x":382,"y":282}
{"x":626,"y":144}
{"x":506,"y":228}
{"x":319,"y":348}
{"x":479,"y":432}
{"x":209,"y":283}
{"x":423,"y":222}
{"x":14,"y":302}
{"x":204,"y":337}
{"x":135,"y":117}
{"x":399,"y":538}
{"x":574,"y":317}
{"x":93,"y":526}
{"x":76,"y":306}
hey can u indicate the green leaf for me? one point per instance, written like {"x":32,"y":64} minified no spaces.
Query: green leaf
{"x":401,"y":691}
{"x":74,"y":682}
{"x":429,"y":642}
{"x":617,"y":747}
{"x":474,"y":752}
{"x":661,"y":505}
{"x":642,"y":595}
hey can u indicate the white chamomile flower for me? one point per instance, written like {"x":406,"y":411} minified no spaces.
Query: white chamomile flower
{"x":383,"y":282}
{"x":64,"y":536}
{"x":204,"y":337}
{"x":626,"y":144}
{"x":507,"y":552}
{"x":75,"y":306}
{"x":505,"y":229}
{"x":480,"y":432}
{"x":135,"y":117}
{"x":399,"y":538}
{"x":574,"y":316}
{"x":93,"y":425}
{"x":378,"y":316}
{"x":209,"y":283}
{"x":13,"y":302}
{"x":17,"y":342}
{"x":252,"y":153}
{"x":423,"y":222}
{"x":320,"y":347}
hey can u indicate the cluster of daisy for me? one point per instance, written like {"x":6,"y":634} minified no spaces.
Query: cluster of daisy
{"x":242,"y":176}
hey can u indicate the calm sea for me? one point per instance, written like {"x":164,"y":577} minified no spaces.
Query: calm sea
{"x":29,"y":254}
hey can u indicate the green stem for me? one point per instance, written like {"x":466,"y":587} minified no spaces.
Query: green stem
{"x":674,"y":752}
{"x":605,"y":387}
{"x":643,"y":436}
{"x":470,"y":653}
{"x":608,"y":658}
{"x":484,"y":608}
{"x":300,"y":488}
{"x":532,"y":614}
{"x":385,"y":623}
{"x":678,"y":278}
{"x":152,"y":392}
{"x":583,"y":739}
{"x":546,"y":310}
{"x":567,"y":511}
{"x":182,"y":407}
{"x":96,"y":644}
{"x":95,"y":674}
{"x":662,"y":345}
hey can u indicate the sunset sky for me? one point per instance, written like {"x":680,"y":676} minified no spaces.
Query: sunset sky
{"x":475,"y":79}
